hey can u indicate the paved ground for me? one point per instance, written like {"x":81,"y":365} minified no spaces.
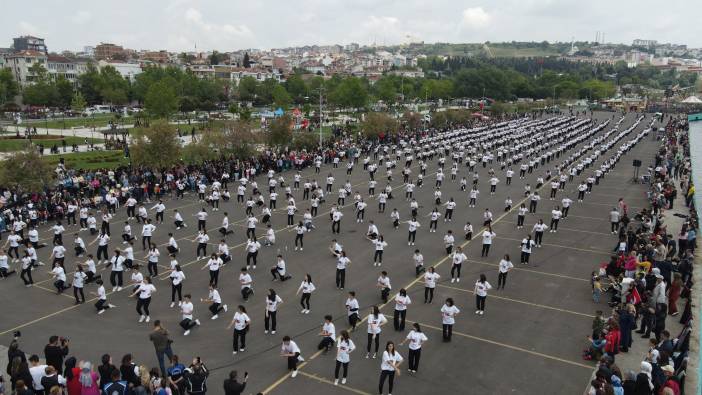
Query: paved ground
{"x":529,"y":341}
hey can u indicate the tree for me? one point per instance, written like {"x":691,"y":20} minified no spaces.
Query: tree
{"x":247,"y":89}
{"x":281,"y":98}
{"x":412,"y":120}
{"x":64,"y":92}
{"x":26,"y":171}
{"x":378,"y":124}
{"x":280,"y":133}
{"x":247,"y":61}
{"x":156,"y":147}
{"x":216,"y":58}
{"x":386,"y":90}
{"x":78,"y":103}
{"x":8,"y":86}
{"x":297,"y":88}
{"x":161,"y":100}
{"x":350,"y":92}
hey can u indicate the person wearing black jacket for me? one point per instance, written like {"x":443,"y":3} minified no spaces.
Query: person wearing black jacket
{"x":233,"y":387}
{"x":55,"y":351}
{"x":14,"y":351}
{"x":196,"y":378}
{"x":106,"y":368}
{"x":128,"y":372}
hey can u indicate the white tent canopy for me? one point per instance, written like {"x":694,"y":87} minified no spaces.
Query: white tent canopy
{"x":692,"y":100}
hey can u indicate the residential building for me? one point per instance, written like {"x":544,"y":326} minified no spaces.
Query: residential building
{"x":128,"y":71}
{"x":644,"y":43}
{"x":29,"y":43}
{"x":61,"y":66}
{"x":107,"y":51}
{"x":21,"y":63}
{"x":156,"y":57}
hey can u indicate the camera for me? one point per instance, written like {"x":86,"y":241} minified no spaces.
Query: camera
{"x":17,"y":334}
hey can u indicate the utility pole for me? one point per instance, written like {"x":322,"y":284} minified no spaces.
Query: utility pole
{"x":321,"y":91}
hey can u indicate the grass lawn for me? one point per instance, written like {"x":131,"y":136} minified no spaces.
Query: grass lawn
{"x":521,"y":52}
{"x":57,"y":123}
{"x":90,"y":160}
{"x":10,"y":145}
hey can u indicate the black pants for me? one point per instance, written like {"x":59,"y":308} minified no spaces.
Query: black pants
{"x":326,"y":343}
{"x":520,"y":220}
{"x":305,"y":301}
{"x":353,"y":319}
{"x":386,"y":374}
{"x":501,"y":280}
{"x":145,"y":242}
{"x":269,"y":321}
{"x":538,"y":237}
{"x":371,"y":338}
{"x":245,"y":292}
{"x":456,"y":271}
{"x":480,"y":302}
{"x":201,"y":224}
{"x":340,"y":278}
{"x":76,"y":292}
{"x":338,"y":367}
{"x":116,"y":278}
{"x":411,"y":236}
{"x":428,"y":294}
{"x":447,"y":331}
{"x":378,"y":256}
{"x":414,"y":356}
{"x":398,"y":319}
{"x":239,"y":338}
{"x":214,"y":277}
{"x":215,"y":308}
{"x":177,"y":289}
{"x":292,"y":361}
{"x":187,"y":324}
{"x":202,"y":247}
{"x":28,"y":272}
{"x":336,"y":227}
{"x":251,"y":256}
{"x":615,"y":226}
{"x":142,"y":306}
{"x":554,"y":224}
{"x":153,"y":268}
{"x":298,"y":237}
{"x":251,"y":233}
{"x":485,"y":250}
{"x":102,"y":304}
{"x":102,"y":252}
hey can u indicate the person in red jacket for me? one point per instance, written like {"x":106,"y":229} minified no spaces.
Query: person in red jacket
{"x":613,"y":338}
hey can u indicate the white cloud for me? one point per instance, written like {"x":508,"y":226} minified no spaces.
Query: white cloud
{"x":476,"y":17}
{"x":28,"y":28}
{"x":82,"y":17}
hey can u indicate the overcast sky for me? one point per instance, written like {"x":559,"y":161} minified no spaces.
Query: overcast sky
{"x":225,"y":25}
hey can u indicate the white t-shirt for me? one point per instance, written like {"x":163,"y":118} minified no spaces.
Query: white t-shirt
{"x":416,"y":339}
{"x":240,"y":320}
{"x":272,"y":305}
{"x":345,"y":347}
{"x":482,"y":288}
{"x":447,"y":314}
{"x":505,"y":266}
{"x":401,"y":302}
{"x":187,"y":309}
{"x":430,"y":279}
{"x":488,"y":236}
{"x":145,"y":291}
{"x":374,"y":323}
{"x":389,"y":360}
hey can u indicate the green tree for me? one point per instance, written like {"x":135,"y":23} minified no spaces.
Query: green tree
{"x":350,"y":92}
{"x":64,"y":92}
{"x":281,"y":97}
{"x":378,"y":123}
{"x":26,"y":171}
{"x":297,"y":88}
{"x":78,"y":103}
{"x":247,"y":60}
{"x":161,"y":100}
{"x":280,"y":132}
{"x":157,"y":146}
{"x":247,"y":89}
{"x":8,"y":86}
{"x":385,"y":90}
{"x":216,"y":58}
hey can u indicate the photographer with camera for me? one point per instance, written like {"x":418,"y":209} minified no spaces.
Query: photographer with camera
{"x":196,"y":377}
{"x":55,"y":351}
